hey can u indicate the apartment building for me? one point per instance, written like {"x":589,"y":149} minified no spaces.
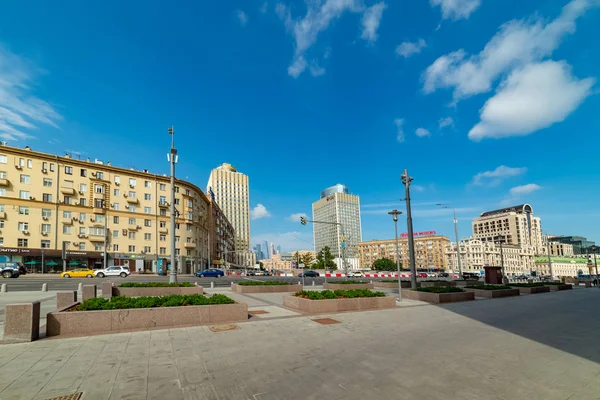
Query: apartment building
{"x":429,"y":251}
{"x":48,"y":202}
{"x":476,"y":254}
{"x":580,"y":244}
{"x":222,"y":238}
{"x":558,"y":249}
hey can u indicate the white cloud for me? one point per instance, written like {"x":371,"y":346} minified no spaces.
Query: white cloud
{"x":525,"y":189}
{"x":259,"y":212}
{"x":305,"y":30}
{"x":531,"y":99}
{"x":493,"y":178}
{"x":264,"y":7}
{"x":444,"y":122}
{"x":518,"y":43}
{"x":296,"y":217}
{"x":407,"y":49}
{"x":418,"y":188}
{"x":422,"y":132}
{"x":20,"y":109}
{"x":242,"y":17}
{"x":400,"y":129}
{"x":371,"y":20}
{"x":315,"y":69}
{"x":289,"y":241}
{"x":456,"y":9}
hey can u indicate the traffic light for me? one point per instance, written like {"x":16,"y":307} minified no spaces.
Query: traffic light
{"x":303,"y":220}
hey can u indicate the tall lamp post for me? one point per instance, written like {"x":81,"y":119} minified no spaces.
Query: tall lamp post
{"x":594,"y":250}
{"x":394,"y":214}
{"x":406,"y":180}
{"x":499,"y":240}
{"x":457,"y":240}
{"x":172,"y":157}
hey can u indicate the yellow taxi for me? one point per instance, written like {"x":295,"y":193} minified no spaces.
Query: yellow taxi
{"x":78,"y":273}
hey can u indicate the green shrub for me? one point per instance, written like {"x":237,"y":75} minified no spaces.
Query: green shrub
{"x":338,"y":294}
{"x":489,"y":287}
{"x":440,"y":289}
{"x":174,"y":300}
{"x":155,"y":284}
{"x":265,"y":283}
{"x":389,"y":281}
{"x":536,"y":284}
{"x":348,"y":282}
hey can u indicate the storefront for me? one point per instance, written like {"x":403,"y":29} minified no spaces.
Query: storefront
{"x":137,"y":263}
{"x":46,"y":260}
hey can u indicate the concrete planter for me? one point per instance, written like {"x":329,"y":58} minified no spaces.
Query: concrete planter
{"x":467,"y":283}
{"x":494,"y":294}
{"x":64,"y":322}
{"x":338,"y":305}
{"x":554,"y":288}
{"x":444,"y":283}
{"x":341,"y":286}
{"x":266,"y":288}
{"x":154,"y":291}
{"x":391,"y":285}
{"x":533,"y":290}
{"x":438,"y":297}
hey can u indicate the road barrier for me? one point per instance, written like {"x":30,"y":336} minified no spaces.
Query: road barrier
{"x":3,"y":288}
{"x":44,"y":287}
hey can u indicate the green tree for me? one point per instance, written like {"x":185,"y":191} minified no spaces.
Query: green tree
{"x":307,"y":259}
{"x":296,"y":259}
{"x":385,"y":264}
{"x":326,"y":256}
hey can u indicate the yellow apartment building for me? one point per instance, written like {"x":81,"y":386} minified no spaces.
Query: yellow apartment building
{"x":429,"y":251}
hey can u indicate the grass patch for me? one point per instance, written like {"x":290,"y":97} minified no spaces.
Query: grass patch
{"x":174,"y":300}
{"x":338,"y":294}
{"x":261,"y":283}
{"x":536,"y":284}
{"x":489,"y":287}
{"x":440,"y":289}
{"x":348,"y":282}
{"x":155,"y":284}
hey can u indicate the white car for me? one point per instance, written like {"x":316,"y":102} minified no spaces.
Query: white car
{"x":355,"y":274}
{"x":123,"y":272}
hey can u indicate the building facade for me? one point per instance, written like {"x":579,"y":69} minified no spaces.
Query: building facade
{"x":429,"y":252}
{"x":48,"y":202}
{"x":222,"y":239}
{"x":514,"y":226}
{"x":563,"y":266}
{"x":284,"y":261}
{"x":476,"y":254}
{"x":579,"y":243}
{"x":557,"y":249}
{"x":336,"y":205}
{"x":232,"y":193}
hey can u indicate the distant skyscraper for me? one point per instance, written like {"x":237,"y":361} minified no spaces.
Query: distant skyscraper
{"x":231,"y":192}
{"x":337,"y":205}
{"x":267,"y":254}
{"x":278,"y":249}
{"x":272,"y":248}
{"x":258,"y":252}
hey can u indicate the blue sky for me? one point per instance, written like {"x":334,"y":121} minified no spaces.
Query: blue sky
{"x":486,"y":102}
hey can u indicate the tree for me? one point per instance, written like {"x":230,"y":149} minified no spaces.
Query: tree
{"x":296,"y":259}
{"x":307,"y":259}
{"x":385,"y":264}
{"x":329,"y":264}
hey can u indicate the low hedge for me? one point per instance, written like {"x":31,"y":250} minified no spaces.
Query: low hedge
{"x":174,"y":300}
{"x":348,"y":282}
{"x":156,"y":284}
{"x":338,"y":294}
{"x":536,"y":284}
{"x":440,"y":289}
{"x":488,"y":287}
{"x":261,"y":283}
{"x":389,"y":281}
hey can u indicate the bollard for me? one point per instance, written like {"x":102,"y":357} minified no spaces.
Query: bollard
{"x":44,"y":287}
{"x":299,"y":283}
{"x":80,"y":287}
{"x":3,"y":288}
{"x":313,"y":282}
{"x":371,"y":281}
{"x":89,"y":292}
{"x":22,"y":322}
{"x":212,"y":284}
{"x":65,"y":299}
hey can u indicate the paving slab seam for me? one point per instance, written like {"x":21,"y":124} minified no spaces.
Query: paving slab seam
{"x":119,"y":368}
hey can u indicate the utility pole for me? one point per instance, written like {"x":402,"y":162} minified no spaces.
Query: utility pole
{"x":406,"y":180}
{"x":458,"y":262}
{"x":549,"y":258}
{"x":172,"y":159}
{"x":394,"y":214}
{"x":105,"y":232}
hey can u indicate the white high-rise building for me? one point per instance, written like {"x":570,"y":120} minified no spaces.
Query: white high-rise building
{"x":229,"y":188}
{"x":338,"y":205}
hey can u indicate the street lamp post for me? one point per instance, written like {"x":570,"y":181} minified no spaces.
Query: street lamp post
{"x":457,"y":240}
{"x":172,"y":159}
{"x":394,"y":214}
{"x":501,"y":256}
{"x":105,"y":233}
{"x":549,"y":257}
{"x":406,"y":180}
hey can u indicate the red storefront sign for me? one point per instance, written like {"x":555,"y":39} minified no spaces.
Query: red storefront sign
{"x":425,"y":233}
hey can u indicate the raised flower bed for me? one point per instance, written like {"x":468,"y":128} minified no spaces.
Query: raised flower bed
{"x":393,"y":284}
{"x":99,"y":315}
{"x":555,"y":286}
{"x":348,"y":285}
{"x":328,"y":301}
{"x":492,"y":291}
{"x":439,"y":294}
{"x":265,"y":287}
{"x":134,"y":289}
{"x":437,"y":283}
{"x":531,"y":288}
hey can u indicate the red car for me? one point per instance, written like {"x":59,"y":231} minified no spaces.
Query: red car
{"x":422,"y":275}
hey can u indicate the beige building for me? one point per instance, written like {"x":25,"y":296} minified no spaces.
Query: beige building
{"x":283,"y":261}
{"x":476,"y":254}
{"x":514,"y":226}
{"x":337,"y":205}
{"x":47,"y":202}
{"x":563,"y":266}
{"x":230,"y":190}
{"x":557,"y":249}
{"x":429,"y":252}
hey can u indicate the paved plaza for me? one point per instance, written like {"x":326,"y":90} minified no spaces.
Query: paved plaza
{"x":541,"y":346}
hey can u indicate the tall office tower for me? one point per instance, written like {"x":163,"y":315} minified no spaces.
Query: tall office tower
{"x":272,"y":249}
{"x":278,"y":249}
{"x":258,"y":252}
{"x":337,"y":205}
{"x":233,"y":196}
{"x":267,"y":254}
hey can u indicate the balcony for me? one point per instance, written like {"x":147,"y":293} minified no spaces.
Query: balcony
{"x":134,"y":227}
{"x":99,"y":210}
{"x":4,"y":182}
{"x":96,"y":238}
{"x":67,"y":221}
{"x":67,"y":190}
{"x":163,"y":204}
{"x":163,"y":230}
{"x":132,"y":200}
{"x":189,"y":245}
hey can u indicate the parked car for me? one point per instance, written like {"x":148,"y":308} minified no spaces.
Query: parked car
{"x":470,"y":275}
{"x":443,"y":275}
{"x":211,"y":272}
{"x":9,"y":270}
{"x":422,"y":275}
{"x":355,"y":274}
{"x":123,"y":272}
{"x":78,"y":273}
{"x":309,"y":274}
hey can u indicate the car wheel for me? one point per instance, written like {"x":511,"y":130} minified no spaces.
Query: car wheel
{"x":89,"y":276}
{"x":100,"y":275}
{"x":123,"y":275}
{"x":201,"y":275}
{"x":7,"y":274}
{"x":219,"y":276}
{"x":67,"y":276}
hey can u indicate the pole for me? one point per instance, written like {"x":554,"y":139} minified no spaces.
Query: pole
{"x":406,"y":179}
{"x":42,"y":260}
{"x":398,"y":259}
{"x":549,"y":259}
{"x":457,"y":245}
{"x":502,"y":261}
{"x":324,"y":266}
{"x":173,"y":274}
{"x":105,"y":233}
{"x":344,"y":249}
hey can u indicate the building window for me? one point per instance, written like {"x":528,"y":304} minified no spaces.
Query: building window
{"x":190,"y":215}
{"x":162,"y":187}
{"x":177,"y":239}
{"x":132,"y":221}
{"x":100,"y":175}
{"x":23,"y":210}
{"x":3,"y":159}
{"x":163,"y":224}
{"x":163,"y":212}
{"x":188,"y":252}
{"x":116,"y":219}
{"x":147,"y":236}
{"x":29,"y":164}
{"x":82,"y":202}
{"x":147,"y":249}
{"x":23,"y":226}
{"x":147,"y":196}
{"x":99,"y":188}
{"x":46,"y":212}
{"x":52,"y":167}
{"x":99,"y":218}
{"x":163,"y":250}
{"x":45,"y":244}
{"x":67,"y":214}
{"x":82,"y":246}
{"x":131,"y":208}
{"x":163,"y":238}
{"x":21,"y":243}
{"x":147,"y":222}
{"x":189,"y":203}
{"x":2,"y":192}
{"x":115,"y":247}
{"x":163,"y":200}
{"x":83,"y":172}
{"x":69,"y":170}
{"x":115,"y":233}
{"x":47,"y":182}
{"x":147,"y":184}
{"x":131,"y":235}
{"x":2,"y":174}
{"x":116,"y":192}
{"x":82,"y":187}
{"x":176,"y":202}
{"x":187,"y":192}
{"x":21,"y":162}
{"x":131,"y":249}
{"x":96,"y":230}
{"x":176,"y":189}
{"x":132,"y":194}
{"x":177,"y":252}
{"x":117,"y":180}
{"x":68,"y":200}
{"x":176,"y":226}
{"x":67,"y":229}
{"x":131,"y":181}
{"x":98,"y":247}
{"x":82,"y":231}
{"x":24,"y":194}
{"x":98,"y":203}
{"x":147,"y":210}
{"x":188,"y":228}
